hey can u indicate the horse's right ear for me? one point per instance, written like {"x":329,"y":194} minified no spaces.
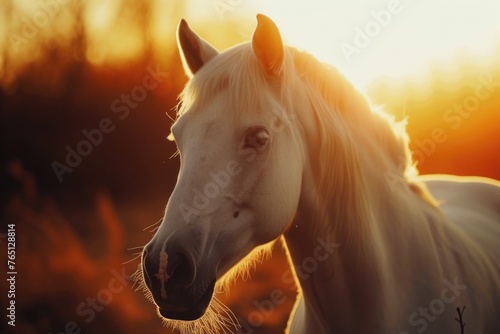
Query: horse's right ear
{"x":267,"y":45}
{"x":194,"y":51}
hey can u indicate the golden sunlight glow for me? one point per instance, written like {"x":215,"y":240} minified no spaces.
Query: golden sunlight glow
{"x":111,"y":40}
{"x":368,"y":39}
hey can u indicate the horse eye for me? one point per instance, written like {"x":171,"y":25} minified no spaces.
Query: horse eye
{"x":256,"y":138}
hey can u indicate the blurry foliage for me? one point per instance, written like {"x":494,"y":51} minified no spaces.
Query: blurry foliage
{"x":57,"y":272}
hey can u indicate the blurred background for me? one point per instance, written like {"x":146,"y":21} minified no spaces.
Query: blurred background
{"x":68,"y":68}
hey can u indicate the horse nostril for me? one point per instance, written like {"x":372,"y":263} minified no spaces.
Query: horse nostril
{"x":180,"y":270}
{"x":169,"y":268}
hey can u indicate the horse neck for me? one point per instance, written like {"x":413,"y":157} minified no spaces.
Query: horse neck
{"x":345,"y":271}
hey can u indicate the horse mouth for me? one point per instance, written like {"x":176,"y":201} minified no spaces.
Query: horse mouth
{"x":188,"y":314}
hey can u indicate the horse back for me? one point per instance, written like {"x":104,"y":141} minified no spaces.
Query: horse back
{"x":472,"y":207}
{"x":471,"y":202}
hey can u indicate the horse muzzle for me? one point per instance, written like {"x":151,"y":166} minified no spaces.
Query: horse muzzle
{"x":170,"y":274}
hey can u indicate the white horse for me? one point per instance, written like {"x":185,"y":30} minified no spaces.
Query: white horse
{"x":274,"y":143}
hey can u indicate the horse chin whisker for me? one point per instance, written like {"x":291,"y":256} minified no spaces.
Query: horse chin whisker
{"x":140,"y":285}
{"x":218,"y":319}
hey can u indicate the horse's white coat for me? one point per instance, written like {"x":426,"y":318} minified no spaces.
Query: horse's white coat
{"x":412,"y":248}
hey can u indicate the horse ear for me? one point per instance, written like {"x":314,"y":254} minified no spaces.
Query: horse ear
{"x":267,"y":45}
{"x":194,"y":51}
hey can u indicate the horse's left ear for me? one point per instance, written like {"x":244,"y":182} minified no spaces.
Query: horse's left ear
{"x":268,"y":45}
{"x":195,"y":52}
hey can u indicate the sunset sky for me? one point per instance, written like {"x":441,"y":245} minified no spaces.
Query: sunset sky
{"x":365,"y":39}
{"x":416,"y":34}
